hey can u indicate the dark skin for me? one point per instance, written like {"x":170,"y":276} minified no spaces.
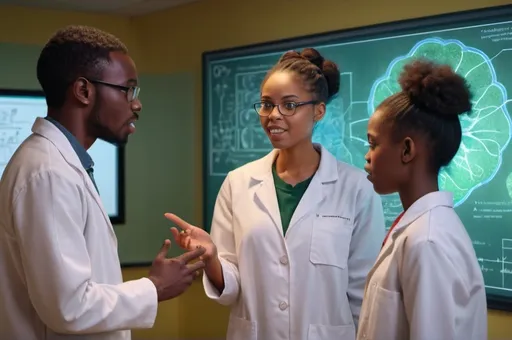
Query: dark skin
{"x":93,"y":111}
{"x":398,"y":164}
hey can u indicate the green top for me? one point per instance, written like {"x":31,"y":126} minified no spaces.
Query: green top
{"x":288,"y":197}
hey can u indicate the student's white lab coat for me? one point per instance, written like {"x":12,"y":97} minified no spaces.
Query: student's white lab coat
{"x":426,"y":283}
{"x":309,"y":284}
{"x":60,"y":275}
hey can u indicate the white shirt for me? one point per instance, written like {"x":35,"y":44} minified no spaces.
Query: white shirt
{"x":426,"y":283}
{"x":60,"y":276}
{"x":309,"y":283}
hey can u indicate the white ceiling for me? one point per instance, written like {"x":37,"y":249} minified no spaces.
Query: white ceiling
{"x":122,"y":7}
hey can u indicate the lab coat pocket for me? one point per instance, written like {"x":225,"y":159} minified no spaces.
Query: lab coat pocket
{"x":323,"y":332}
{"x":330,"y":242}
{"x":239,"y":328}
{"x":386,"y":316}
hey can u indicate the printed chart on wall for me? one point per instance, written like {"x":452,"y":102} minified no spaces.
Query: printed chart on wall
{"x":480,"y":176}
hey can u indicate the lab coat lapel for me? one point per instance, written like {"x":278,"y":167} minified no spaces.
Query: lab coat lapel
{"x":420,"y":207}
{"x":265,"y":193}
{"x":47,"y":130}
{"x":317,"y":191}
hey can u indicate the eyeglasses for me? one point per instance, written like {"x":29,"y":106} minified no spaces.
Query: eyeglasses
{"x":132,"y":92}
{"x":286,"y":109}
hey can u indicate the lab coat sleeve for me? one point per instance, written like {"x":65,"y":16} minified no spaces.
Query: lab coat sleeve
{"x":367,"y":237}
{"x":223,"y":236}
{"x":428,"y":281}
{"x":48,"y":216}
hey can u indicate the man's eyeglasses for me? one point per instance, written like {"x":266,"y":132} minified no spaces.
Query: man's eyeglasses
{"x":132,"y":92}
{"x":286,"y":109}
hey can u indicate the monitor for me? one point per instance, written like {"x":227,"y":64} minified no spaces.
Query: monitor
{"x":18,"y":111}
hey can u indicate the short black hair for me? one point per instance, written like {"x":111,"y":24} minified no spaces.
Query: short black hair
{"x":72,"y":52}
{"x":430,"y":102}
{"x":322,"y":76}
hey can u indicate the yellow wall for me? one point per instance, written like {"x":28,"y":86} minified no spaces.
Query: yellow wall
{"x":172,"y":41}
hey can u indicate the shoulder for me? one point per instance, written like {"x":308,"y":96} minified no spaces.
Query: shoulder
{"x":254,"y":168}
{"x":36,"y":160}
{"x":439,"y":237}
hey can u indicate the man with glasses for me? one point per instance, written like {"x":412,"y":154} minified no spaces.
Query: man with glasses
{"x":60,"y":276}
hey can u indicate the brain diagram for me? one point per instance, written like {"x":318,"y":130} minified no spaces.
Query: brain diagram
{"x":486,"y":130}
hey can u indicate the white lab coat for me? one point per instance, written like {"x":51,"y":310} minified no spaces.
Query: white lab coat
{"x":426,"y":283}
{"x":60,"y":275}
{"x":309,"y":284}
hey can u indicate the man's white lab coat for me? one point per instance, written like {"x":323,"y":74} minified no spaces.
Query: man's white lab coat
{"x":60,"y":275}
{"x":309,"y":284}
{"x":427,"y":283}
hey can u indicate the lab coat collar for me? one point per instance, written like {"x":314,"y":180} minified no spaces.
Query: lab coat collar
{"x":327,"y":169}
{"x":52,"y":133}
{"x":424,"y":204}
{"x":315,"y":194}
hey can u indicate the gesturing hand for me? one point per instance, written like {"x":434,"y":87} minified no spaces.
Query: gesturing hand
{"x":191,"y":237}
{"x":173,"y":276}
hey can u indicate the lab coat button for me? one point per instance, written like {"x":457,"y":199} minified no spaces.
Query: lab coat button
{"x":283,"y":305}
{"x":284,"y":260}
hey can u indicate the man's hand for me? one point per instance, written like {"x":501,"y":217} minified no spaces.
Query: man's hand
{"x":173,"y":276}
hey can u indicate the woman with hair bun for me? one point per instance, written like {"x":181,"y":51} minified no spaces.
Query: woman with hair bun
{"x":294,"y":233}
{"x":426,"y":283}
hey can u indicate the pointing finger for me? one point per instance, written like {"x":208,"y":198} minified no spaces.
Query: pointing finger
{"x":178,"y":221}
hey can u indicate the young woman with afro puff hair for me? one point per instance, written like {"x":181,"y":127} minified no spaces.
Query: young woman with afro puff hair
{"x":426,"y":283}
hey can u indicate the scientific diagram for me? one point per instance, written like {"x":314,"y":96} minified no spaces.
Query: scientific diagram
{"x":497,"y":271}
{"x":486,"y":130}
{"x":236,"y":136}
{"x":10,"y":135}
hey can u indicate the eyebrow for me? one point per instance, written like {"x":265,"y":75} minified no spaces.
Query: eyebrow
{"x":132,"y":81}
{"x":283,"y":97}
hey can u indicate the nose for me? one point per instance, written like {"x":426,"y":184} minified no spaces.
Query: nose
{"x":275,"y":113}
{"x":367,"y":156}
{"x":136,"y":105}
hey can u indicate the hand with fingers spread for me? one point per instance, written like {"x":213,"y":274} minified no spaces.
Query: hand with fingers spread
{"x":172,"y":276}
{"x":191,"y":237}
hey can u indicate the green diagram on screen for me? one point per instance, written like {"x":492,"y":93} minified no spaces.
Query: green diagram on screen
{"x":480,"y":175}
{"x":486,"y":130}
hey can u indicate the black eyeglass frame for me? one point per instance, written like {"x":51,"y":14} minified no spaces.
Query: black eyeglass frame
{"x":297,"y":105}
{"x":135,"y":89}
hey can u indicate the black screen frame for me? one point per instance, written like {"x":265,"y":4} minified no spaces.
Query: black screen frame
{"x":435,"y":22}
{"x":120,"y":217}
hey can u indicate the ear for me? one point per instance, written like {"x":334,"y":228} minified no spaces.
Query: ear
{"x":83,"y":91}
{"x":408,"y":150}
{"x":320,"y":110}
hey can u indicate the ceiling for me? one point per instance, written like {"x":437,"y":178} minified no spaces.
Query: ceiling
{"x":121,"y":7}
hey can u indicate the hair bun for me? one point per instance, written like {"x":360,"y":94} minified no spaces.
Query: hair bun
{"x":435,"y":88}
{"x":328,"y":68}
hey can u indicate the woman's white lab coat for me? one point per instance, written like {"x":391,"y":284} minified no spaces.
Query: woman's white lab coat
{"x":426,"y":283}
{"x":309,"y":284}
{"x":59,"y":269}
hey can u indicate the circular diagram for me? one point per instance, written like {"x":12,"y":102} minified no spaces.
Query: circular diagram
{"x":486,"y":131}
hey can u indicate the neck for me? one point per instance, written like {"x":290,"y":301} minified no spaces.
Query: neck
{"x":420,"y":187}
{"x":298,"y":163}
{"x":68,"y":119}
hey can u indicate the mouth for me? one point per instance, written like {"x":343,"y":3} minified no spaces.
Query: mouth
{"x":275,"y":131}
{"x":369,"y":172}
{"x":131,"y":122}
